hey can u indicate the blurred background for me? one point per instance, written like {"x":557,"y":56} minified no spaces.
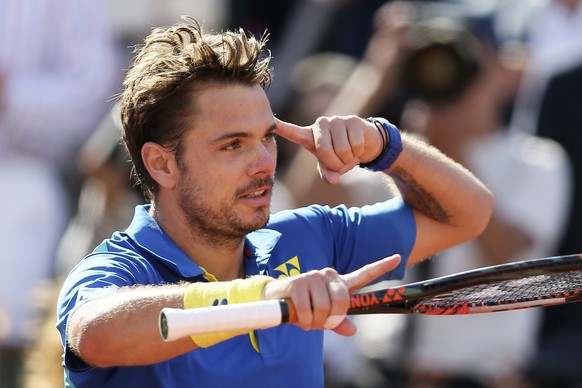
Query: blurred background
{"x":495,"y":84}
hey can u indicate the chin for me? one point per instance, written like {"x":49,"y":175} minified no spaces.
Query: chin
{"x":262,"y":219}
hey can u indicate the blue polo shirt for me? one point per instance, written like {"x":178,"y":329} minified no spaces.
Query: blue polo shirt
{"x":293,"y":242}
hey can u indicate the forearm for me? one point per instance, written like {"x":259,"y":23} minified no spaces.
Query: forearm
{"x":450,"y":204}
{"x":444,"y":195}
{"x":122,"y":328}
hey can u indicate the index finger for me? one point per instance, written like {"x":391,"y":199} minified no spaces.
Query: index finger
{"x":295,"y":133}
{"x":361,"y":277}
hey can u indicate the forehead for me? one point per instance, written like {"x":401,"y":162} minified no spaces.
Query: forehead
{"x":232,"y":108}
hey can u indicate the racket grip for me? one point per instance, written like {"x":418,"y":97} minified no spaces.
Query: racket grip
{"x":177,"y":323}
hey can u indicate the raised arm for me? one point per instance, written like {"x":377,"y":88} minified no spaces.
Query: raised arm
{"x":450,"y":204}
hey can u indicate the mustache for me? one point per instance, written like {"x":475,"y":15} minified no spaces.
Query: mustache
{"x":257,"y":184}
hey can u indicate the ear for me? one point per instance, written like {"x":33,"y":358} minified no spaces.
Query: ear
{"x":161,"y":164}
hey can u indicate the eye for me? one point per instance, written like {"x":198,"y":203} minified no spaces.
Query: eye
{"x":270,"y":137}
{"x":231,"y":146}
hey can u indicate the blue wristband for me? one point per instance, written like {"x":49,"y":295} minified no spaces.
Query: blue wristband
{"x":391,"y":151}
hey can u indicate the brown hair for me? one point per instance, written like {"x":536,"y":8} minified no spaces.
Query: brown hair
{"x":171,"y":66}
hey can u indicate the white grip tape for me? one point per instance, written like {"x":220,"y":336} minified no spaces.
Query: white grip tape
{"x":177,"y":323}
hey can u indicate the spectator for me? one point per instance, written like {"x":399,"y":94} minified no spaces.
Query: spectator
{"x":560,"y":340}
{"x":461,"y":86}
{"x":57,"y":70}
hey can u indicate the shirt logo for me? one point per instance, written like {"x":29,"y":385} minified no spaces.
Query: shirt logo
{"x":289,"y":268}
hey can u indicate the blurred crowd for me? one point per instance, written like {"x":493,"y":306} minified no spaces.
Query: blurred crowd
{"x":495,"y":84}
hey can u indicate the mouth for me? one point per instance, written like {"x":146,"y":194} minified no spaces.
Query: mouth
{"x":257,"y":189}
{"x":256,"y":194}
{"x":257,"y":199}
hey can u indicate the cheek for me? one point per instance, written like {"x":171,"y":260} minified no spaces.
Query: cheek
{"x":219,"y":180}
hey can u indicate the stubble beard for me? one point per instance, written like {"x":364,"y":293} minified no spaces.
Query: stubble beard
{"x":222,"y":227}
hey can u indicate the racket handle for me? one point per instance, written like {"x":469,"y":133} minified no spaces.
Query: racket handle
{"x":177,"y":323}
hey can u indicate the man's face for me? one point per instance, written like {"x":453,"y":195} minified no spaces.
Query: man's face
{"x":228,"y":163}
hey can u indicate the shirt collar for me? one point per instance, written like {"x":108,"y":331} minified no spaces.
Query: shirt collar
{"x":258,"y":246}
{"x":147,"y":234}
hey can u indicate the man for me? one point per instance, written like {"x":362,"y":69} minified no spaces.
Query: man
{"x":201,"y":135}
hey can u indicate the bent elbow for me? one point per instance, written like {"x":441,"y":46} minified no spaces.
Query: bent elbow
{"x":85,"y":339}
{"x":86,"y":346}
{"x":90,"y":350}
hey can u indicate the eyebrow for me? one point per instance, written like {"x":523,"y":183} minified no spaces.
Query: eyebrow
{"x":241,"y":134}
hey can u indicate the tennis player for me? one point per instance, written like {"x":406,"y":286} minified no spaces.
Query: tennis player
{"x":202,"y":139}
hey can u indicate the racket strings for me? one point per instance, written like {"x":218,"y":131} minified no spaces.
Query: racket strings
{"x":510,"y":293}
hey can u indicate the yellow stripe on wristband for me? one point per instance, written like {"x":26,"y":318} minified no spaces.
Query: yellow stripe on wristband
{"x":217,"y":293}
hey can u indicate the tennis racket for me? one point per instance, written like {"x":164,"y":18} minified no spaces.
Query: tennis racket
{"x":516,"y":285}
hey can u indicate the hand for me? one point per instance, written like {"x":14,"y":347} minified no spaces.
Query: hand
{"x":322,"y":298}
{"x":339,"y":143}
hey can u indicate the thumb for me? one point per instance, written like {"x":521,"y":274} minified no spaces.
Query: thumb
{"x":361,"y":277}
{"x":297,"y":134}
{"x":328,"y":175}
{"x":346,"y":328}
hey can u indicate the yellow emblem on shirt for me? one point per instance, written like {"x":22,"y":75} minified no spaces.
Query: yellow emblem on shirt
{"x":289,"y":268}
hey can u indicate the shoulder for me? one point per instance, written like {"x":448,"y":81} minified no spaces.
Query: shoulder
{"x":303,"y":214}
{"x":323,"y":213}
{"x":108,"y":271}
{"x":109,"y":266}
{"x":319,"y":221}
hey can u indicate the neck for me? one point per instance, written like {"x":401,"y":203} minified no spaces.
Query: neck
{"x":221,"y":257}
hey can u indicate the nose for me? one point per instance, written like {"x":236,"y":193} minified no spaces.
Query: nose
{"x":264,"y":159}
